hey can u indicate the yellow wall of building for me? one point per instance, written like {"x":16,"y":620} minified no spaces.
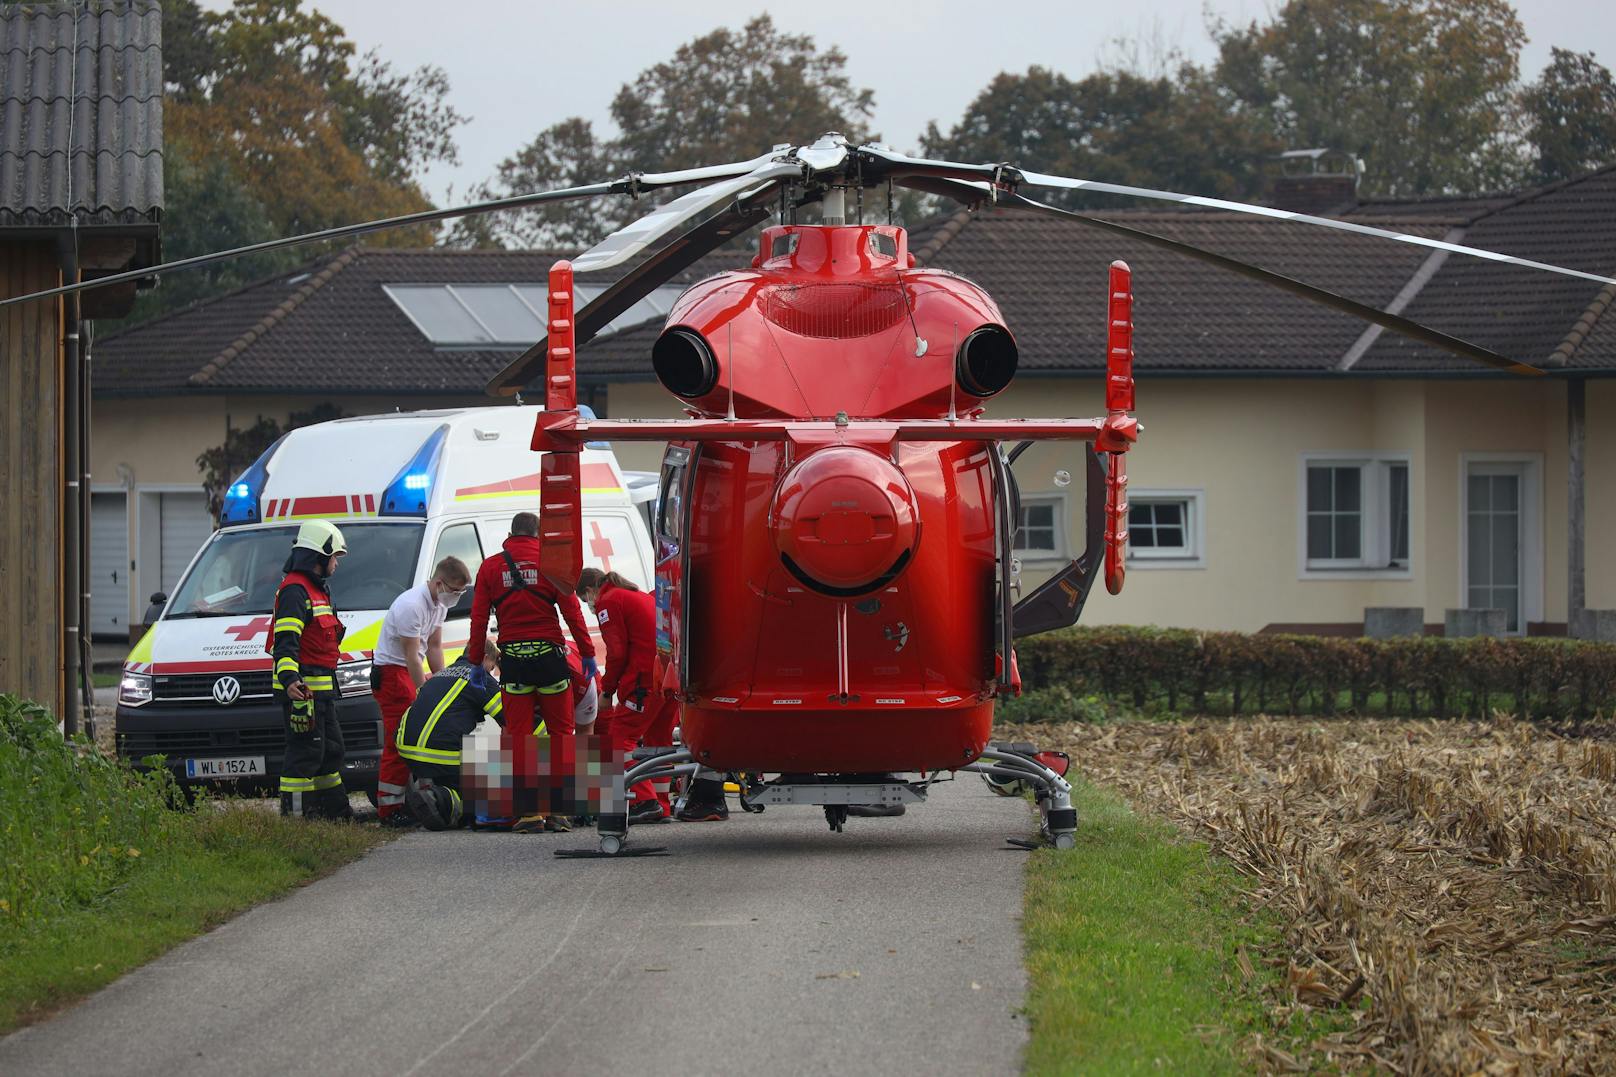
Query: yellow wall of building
{"x":1239,"y":441}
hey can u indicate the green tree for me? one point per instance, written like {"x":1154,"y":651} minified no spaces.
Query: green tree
{"x":273,"y":128}
{"x":1424,"y":91}
{"x":317,"y":143}
{"x":1570,"y":116}
{"x":1180,"y":132}
{"x":726,"y":96}
{"x":209,"y":209}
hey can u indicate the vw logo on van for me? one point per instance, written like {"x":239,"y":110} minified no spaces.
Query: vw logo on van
{"x":226,"y":690}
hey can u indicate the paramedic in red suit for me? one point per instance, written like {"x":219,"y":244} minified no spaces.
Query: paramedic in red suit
{"x":627,"y":619}
{"x":533,"y":652}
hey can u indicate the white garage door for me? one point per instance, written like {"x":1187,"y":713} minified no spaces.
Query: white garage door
{"x":185,"y":526}
{"x":109,"y":565}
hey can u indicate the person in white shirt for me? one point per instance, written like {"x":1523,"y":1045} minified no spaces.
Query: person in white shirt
{"x":413,"y":628}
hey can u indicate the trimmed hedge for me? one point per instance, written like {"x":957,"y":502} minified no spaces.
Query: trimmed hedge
{"x":1178,"y":670}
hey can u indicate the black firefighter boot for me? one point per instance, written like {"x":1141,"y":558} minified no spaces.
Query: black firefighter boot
{"x":334,"y":804}
{"x":706,"y":802}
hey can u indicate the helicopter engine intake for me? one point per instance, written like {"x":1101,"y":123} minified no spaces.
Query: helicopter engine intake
{"x":844,"y":521}
{"x":986,"y":363}
{"x":684,"y":363}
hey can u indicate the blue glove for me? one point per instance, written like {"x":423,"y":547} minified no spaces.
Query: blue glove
{"x":590,"y":669}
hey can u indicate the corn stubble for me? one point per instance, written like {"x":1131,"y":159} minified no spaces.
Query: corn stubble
{"x":1452,"y":885}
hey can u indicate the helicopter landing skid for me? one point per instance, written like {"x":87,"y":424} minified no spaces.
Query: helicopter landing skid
{"x":1057,"y":817}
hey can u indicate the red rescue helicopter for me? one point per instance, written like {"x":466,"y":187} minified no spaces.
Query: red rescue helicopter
{"x":835,"y":582}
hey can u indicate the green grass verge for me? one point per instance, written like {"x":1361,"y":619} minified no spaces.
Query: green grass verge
{"x":106,"y":680}
{"x":102,"y":868}
{"x":208,"y":867}
{"x":1131,"y":942}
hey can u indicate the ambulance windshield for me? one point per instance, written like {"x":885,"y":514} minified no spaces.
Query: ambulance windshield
{"x":239,"y":570}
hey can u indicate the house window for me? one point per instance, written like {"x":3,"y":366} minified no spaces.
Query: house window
{"x":1165,"y":528}
{"x":1356,"y":513}
{"x":1040,"y":534}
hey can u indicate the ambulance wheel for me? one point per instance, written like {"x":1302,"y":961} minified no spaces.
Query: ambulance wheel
{"x":370,"y":795}
{"x":611,"y":844}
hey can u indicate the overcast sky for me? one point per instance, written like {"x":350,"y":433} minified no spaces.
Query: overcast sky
{"x":516,"y":67}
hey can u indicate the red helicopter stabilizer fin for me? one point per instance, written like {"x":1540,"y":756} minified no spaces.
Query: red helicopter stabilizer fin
{"x":560,"y":487}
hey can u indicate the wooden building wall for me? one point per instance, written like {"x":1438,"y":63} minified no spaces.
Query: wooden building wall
{"x":30,"y":478}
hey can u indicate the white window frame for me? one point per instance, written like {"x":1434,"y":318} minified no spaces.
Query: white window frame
{"x":1375,"y":543}
{"x":1531,"y":465}
{"x":1061,"y":554}
{"x":1194,"y":553}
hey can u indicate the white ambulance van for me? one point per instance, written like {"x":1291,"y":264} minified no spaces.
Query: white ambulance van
{"x":407,"y":490}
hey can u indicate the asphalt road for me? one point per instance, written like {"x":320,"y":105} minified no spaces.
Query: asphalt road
{"x":764,"y":944}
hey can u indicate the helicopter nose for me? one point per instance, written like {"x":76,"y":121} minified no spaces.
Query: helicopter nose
{"x":844,"y":521}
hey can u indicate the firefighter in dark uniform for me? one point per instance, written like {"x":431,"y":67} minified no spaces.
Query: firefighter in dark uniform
{"x":306,"y":641}
{"x":448,"y":706}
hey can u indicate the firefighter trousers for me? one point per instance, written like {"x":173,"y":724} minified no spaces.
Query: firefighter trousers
{"x":394,"y":694}
{"x":448,"y":810}
{"x":311,"y":773}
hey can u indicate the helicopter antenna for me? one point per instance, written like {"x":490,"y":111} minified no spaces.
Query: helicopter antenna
{"x":952,"y":382}
{"x":889,"y":201}
{"x":730,"y":333}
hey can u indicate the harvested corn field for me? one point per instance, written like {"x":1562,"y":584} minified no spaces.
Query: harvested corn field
{"x":1452,"y":884}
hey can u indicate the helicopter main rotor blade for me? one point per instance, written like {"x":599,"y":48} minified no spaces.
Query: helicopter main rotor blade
{"x":1395,"y":322}
{"x":674,"y":257}
{"x":975,"y":192}
{"x":898,"y":165}
{"x":631,"y":184}
{"x":628,"y":241}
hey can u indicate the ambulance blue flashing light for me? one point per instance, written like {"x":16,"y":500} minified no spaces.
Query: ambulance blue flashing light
{"x":241,"y":497}
{"x":411,"y":489}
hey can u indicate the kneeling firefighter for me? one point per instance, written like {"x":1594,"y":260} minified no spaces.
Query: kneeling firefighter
{"x":449,"y":706}
{"x":306,"y":642}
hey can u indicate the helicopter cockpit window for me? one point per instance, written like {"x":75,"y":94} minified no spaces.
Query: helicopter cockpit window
{"x":783,"y":245}
{"x":884,"y":245}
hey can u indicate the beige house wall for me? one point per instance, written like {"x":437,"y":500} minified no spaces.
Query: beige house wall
{"x":149,"y":445}
{"x":1242,"y":442}
{"x":1239,"y":442}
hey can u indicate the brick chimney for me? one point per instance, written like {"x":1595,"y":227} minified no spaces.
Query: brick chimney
{"x":1320,"y":182}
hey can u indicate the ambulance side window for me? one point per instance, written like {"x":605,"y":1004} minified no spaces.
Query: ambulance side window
{"x":460,"y":540}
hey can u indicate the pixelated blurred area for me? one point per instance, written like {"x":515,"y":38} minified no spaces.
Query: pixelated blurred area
{"x":517,"y":776}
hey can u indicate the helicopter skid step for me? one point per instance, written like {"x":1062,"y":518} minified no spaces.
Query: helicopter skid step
{"x":819,"y":793}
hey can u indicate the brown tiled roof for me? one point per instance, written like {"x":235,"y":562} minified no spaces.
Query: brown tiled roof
{"x":1523,"y":314}
{"x":1049,"y":277}
{"x":329,"y":327}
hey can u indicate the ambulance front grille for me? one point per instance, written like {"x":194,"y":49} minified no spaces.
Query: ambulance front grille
{"x":197,"y":688}
{"x":358,"y":734}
